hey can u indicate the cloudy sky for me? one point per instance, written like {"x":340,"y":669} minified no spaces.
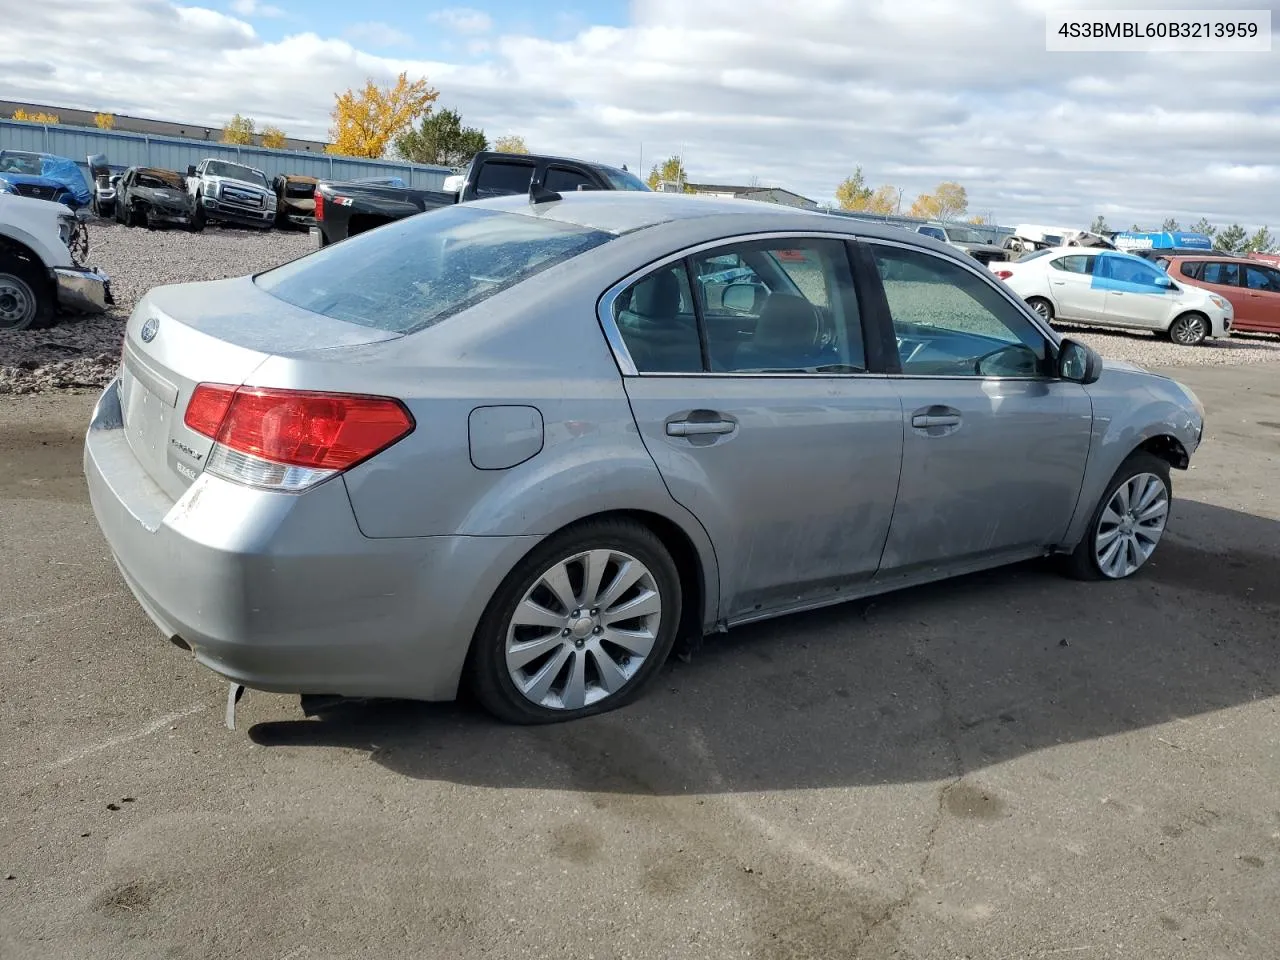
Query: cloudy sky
{"x":793,"y":94}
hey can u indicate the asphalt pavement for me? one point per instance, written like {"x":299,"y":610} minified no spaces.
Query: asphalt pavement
{"x":1010,"y":765}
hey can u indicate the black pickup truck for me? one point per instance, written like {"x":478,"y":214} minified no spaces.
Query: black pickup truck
{"x":345,"y":208}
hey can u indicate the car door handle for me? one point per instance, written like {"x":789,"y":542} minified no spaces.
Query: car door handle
{"x":936,"y":420}
{"x":698,"y":428}
{"x":1116,"y":293}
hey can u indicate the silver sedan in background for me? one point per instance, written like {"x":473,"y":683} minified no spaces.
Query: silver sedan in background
{"x":525,"y":443}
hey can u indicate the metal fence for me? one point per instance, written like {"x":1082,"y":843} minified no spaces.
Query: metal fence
{"x":124,"y":149}
{"x":995,"y":234}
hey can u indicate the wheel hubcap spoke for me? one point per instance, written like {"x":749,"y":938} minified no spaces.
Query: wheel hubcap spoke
{"x":1131,"y":525}
{"x":583,"y":630}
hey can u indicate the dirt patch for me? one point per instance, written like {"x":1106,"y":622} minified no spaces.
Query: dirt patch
{"x":37,"y":463}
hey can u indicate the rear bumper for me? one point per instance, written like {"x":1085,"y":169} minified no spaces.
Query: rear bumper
{"x":86,"y":291}
{"x":281,"y":592}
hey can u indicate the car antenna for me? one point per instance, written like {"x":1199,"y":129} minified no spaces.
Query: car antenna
{"x":540,"y":194}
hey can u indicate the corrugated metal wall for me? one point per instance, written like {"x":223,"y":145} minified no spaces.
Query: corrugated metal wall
{"x":172,"y":153}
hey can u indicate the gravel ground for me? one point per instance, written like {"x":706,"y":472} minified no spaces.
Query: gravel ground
{"x":84,"y":352}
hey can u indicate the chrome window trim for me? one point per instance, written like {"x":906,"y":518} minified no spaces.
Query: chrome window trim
{"x":604,"y":308}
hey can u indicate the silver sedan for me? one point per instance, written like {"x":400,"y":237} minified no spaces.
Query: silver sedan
{"x":528,"y":443}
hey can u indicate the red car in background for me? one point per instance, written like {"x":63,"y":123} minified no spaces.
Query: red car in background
{"x":1250,"y":283}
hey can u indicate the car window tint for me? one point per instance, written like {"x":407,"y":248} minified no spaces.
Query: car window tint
{"x":499,"y":178}
{"x":1227,"y":274}
{"x":1191,"y":268}
{"x":562,"y":180}
{"x":950,"y":322}
{"x":782,"y":305}
{"x":933,"y":232}
{"x":418,"y":271}
{"x":1073,"y":264}
{"x":656,"y":319}
{"x":1262,"y":278}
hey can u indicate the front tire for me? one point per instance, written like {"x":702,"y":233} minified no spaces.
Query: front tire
{"x":1189,"y":329}
{"x":580,"y":626}
{"x":25,"y":301}
{"x":1128,"y":523}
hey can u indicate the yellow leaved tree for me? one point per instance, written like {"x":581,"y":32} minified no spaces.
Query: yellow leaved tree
{"x":947,"y":202}
{"x":510,"y":144}
{"x":853,"y":194}
{"x":273,"y":138}
{"x":239,"y":130}
{"x":365,"y":122}
{"x":670,"y":170}
{"x":105,"y":121}
{"x":37,"y":117}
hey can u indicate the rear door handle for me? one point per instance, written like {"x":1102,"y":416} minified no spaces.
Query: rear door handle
{"x":698,"y":428}
{"x":936,"y":420}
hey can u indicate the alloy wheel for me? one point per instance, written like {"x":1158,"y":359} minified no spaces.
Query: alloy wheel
{"x":1131,"y":525}
{"x":1187,"y":331}
{"x":1042,"y":310}
{"x":584,"y":629}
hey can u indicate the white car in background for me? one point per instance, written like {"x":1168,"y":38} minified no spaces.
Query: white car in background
{"x":1113,"y":289}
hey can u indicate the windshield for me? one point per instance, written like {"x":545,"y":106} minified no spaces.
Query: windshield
{"x":160,"y":178}
{"x":24,"y":163}
{"x":623,"y":179}
{"x":234,"y":171}
{"x":415,"y":272}
{"x":965,"y":235}
{"x":1033,"y":254}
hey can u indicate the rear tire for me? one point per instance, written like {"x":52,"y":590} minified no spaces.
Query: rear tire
{"x":1095,"y":557}
{"x":593,"y":661}
{"x":1042,"y":307}
{"x":1189,"y":329}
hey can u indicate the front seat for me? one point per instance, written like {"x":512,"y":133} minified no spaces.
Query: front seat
{"x":786,"y":336}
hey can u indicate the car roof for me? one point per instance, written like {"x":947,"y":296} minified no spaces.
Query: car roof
{"x":1226,"y":257}
{"x":625,"y":211}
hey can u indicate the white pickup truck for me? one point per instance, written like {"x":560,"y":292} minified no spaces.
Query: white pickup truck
{"x":232,"y":193}
{"x":38,"y":274}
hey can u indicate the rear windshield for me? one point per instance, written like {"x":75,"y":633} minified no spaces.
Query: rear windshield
{"x":415,"y":272}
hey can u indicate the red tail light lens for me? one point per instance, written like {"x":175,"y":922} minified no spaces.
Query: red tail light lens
{"x":296,"y":428}
{"x":319,"y":197}
{"x":1003,"y":274}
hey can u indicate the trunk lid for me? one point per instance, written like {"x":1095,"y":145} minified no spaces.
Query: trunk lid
{"x":215,"y":332}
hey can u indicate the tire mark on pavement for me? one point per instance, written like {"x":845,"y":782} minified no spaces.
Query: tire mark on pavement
{"x":153,"y":727}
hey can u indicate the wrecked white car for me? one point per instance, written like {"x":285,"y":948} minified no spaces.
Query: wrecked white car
{"x":38,"y":274}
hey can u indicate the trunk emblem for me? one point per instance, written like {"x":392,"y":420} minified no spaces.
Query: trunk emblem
{"x":150,"y":329}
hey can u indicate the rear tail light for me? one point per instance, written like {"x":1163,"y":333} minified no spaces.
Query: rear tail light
{"x":291,"y":439}
{"x":319,"y":197}
{"x":1003,"y":274}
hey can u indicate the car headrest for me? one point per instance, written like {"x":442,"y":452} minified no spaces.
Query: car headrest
{"x":657,"y":297}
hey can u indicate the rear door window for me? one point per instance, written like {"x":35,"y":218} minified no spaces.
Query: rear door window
{"x":1191,"y":268}
{"x":1077,"y":263}
{"x":501,"y":178}
{"x":1225,"y":274}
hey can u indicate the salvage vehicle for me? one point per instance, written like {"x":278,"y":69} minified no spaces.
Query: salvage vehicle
{"x":967,"y":239}
{"x":43,"y":176}
{"x":295,"y":201}
{"x":1251,"y":286}
{"x":1114,"y":289}
{"x":346,"y":208}
{"x":1028,"y":237}
{"x":611,"y":463}
{"x":151,"y":197}
{"x":38,"y":275}
{"x":104,"y":185}
{"x":231,"y":193}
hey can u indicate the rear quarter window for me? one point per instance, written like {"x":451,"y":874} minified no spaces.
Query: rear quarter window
{"x":418,"y":271}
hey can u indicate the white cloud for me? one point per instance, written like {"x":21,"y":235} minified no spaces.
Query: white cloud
{"x":252,"y":8}
{"x":377,"y":34}
{"x":968,"y":92}
{"x":463,"y":19}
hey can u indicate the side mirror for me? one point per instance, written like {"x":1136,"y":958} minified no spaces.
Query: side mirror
{"x":740,"y":297}
{"x":1165,"y":283}
{"x":1078,"y":363}
{"x":191,"y":170}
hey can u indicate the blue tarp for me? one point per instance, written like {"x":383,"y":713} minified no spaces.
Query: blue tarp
{"x":15,"y":166}
{"x":1161,"y":240}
